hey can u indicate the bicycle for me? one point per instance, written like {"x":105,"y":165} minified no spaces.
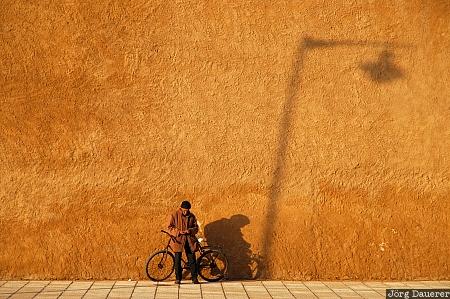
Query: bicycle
{"x":212,"y":263}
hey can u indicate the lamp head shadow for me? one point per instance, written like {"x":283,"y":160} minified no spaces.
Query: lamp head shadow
{"x":382,"y":70}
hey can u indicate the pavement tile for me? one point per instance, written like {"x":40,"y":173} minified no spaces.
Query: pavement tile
{"x":31,"y":288}
{"x":125,"y":283}
{"x":209,"y":296}
{"x":144,"y":290}
{"x":375,"y":284}
{"x":23,"y":295}
{"x":282,"y":295}
{"x":184,"y":294}
{"x":212,"y":292}
{"x":303,"y":294}
{"x":279,"y":292}
{"x":143,"y":296}
{"x":48,"y":295}
{"x":208,"y":292}
{"x":8,"y":290}
{"x":166,"y":284}
{"x":294,"y":283}
{"x":38,"y":283}
{"x":319,"y":290}
{"x":434,"y":284}
{"x":121,"y":292}
{"x":314,"y":284}
{"x":414,"y":284}
{"x":102,"y":285}
{"x":302,"y":291}
{"x":342,"y":289}
{"x":272,"y":283}
{"x":216,"y":287}
{"x":165,"y":296}
{"x":381,"y":291}
{"x":333,"y":284}
{"x":16,"y":283}
{"x":58,"y":285}
{"x":235,"y":294}
{"x":234,"y":289}
{"x":12,"y":286}
{"x":166,"y":291}
{"x":394,"y":284}
{"x":348,"y":294}
{"x":52,"y":290}
{"x":325,"y":294}
{"x":73,"y":294}
{"x":96,"y":293}
{"x":252,"y":283}
{"x":370,"y":294}
{"x":297,"y":288}
{"x":360,"y":287}
{"x":79,"y":286}
{"x":257,"y":294}
{"x":260,"y":288}
{"x":146,"y":283}
{"x":228,"y":289}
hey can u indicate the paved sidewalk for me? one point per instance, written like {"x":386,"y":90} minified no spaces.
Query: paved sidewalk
{"x":228,"y":289}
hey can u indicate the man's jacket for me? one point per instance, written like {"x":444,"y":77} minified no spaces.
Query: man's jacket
{"x":177,"y":223}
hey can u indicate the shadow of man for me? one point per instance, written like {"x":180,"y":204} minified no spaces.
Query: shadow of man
{"x":227,"y":234}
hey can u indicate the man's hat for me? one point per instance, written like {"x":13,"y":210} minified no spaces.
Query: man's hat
{"x":186,"y":204}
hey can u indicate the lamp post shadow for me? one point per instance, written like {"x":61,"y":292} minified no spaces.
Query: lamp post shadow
{"x":381,"y":71}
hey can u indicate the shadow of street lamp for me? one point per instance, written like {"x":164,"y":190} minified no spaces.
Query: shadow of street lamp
{"x":382,"y":70}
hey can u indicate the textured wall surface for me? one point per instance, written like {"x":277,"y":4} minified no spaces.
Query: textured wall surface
{"x":312,"y":137}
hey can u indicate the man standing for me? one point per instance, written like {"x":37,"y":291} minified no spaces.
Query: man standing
{"x":183,"y":226}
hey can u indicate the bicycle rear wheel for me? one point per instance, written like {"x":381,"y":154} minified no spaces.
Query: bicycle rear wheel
{"x":212,"y":265}
{"x":160,"y":265}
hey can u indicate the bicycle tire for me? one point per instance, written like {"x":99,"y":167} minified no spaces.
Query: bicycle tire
{"x":212,"y":265}
{"x":165,"y":262}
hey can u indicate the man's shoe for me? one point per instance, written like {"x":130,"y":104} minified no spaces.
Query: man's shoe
{"x":177,"y":281}
{"x":195,"y":281}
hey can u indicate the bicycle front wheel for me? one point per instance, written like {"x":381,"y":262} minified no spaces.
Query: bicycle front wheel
{"x":212,"y":265}
{"x":160,"y":265}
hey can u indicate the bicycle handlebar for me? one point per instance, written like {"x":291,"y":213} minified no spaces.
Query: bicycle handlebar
{"x":163,"y":231}
{"x":167,"y":233}
{"x":196,"y":240}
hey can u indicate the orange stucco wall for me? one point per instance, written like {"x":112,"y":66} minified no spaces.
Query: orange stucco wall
{"x":312,"y":137}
